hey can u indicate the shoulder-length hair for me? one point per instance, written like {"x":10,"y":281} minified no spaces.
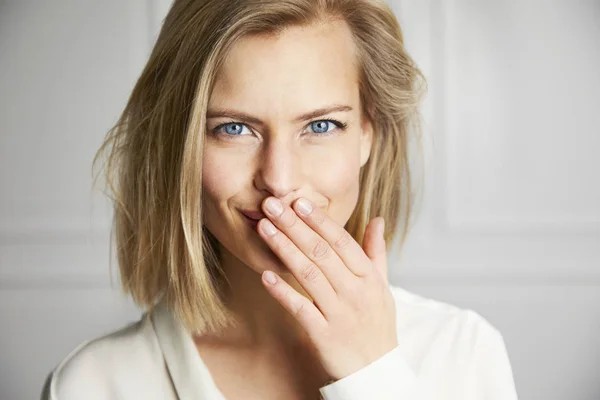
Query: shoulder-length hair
{"x":153,"y":154}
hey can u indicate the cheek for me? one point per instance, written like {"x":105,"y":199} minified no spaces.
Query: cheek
{"x":221,"y":180}
{"x":337,"y":179}
{"x":219,"y":177}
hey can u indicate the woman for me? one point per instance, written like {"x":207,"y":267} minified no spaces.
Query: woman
{"x":253,"y":168}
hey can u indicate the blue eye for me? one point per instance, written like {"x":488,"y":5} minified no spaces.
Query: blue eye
{"x":325,"y":127}
{"x":232,"y":128}
{"x":322,"y":127}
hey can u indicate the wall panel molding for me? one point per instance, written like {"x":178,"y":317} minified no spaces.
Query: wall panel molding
{"x":476,"y":101}
{"x":451,"y":241}
{"x":72,"y":228}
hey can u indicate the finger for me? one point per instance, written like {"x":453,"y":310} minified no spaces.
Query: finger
{"x":375,"y":247}
{"x":339,"y":239}
{"x":306,"y":272}
{"x":313,"y":246}
{"x":301,"y":308}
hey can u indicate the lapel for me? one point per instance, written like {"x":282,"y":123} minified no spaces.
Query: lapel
{"x":190,"y":376}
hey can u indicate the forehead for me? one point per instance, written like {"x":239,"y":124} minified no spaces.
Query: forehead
{"x":302,"y":68}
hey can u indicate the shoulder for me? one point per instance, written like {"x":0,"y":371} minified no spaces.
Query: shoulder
{"x":430,"y":327}
{"x":419,"y":312}
{"x":443,"y":352}
{"x":102,"y":367}
{"x":456,"y":351}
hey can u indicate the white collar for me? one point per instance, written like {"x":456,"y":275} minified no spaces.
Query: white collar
{"x":190,"y":376}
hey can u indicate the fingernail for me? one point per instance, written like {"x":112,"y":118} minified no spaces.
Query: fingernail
{"x":268,"y":227}
{"x":270,"y":277}
{"x":274,"y":207}
{"x":303,"y":206}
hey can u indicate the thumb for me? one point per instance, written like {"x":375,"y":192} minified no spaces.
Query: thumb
{"x":374,"y":244}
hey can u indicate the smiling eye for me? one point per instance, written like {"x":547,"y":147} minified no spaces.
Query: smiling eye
{"x":231,"y":128}
{"x":323,"y":126}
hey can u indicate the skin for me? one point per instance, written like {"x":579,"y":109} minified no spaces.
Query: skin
{"x":341,"y":309}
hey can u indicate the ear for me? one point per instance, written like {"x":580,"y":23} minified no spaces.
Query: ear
{"x":366,"y":139}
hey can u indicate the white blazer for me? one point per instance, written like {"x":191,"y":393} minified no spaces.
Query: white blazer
{"x":444,"y":353}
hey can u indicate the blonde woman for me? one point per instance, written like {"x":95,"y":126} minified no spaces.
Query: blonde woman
{"x":259,"y":173}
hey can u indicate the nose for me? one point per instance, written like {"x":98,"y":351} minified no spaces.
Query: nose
{"x":279,"y":169}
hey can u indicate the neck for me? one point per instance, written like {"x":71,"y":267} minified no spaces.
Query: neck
{"x":261,"y":321}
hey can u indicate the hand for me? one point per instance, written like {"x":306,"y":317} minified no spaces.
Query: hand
{"x":352,"y":319}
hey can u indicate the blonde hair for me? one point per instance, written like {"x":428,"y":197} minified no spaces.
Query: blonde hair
{"x":153,"y":165}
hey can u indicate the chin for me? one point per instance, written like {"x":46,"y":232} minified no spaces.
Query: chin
{"x":253,"y":251}
{"x":265,"y":259}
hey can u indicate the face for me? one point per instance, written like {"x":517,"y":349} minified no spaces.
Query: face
{"x":284,"y":119}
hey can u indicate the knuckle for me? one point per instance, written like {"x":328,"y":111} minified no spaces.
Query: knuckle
{"x":300,"y":309}
{"x":289,"y":218}
{"x":320,"y":250}
{"x":287,"y":294}
{"x":310,"y":273}
{"x":318,"y":218}
{"x":344,"y":240}
{"x":283,"y":242}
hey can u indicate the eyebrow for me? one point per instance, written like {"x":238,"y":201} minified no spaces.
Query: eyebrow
{"x":217,"y":113}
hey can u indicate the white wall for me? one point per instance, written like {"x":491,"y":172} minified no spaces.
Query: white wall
{"x":510,"y":222}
